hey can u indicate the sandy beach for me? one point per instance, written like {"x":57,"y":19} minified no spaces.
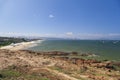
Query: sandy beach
{"x":22,"y":45}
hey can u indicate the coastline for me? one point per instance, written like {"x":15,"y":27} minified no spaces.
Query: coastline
{"x":53,"y":65}
{"x":22,"y":45}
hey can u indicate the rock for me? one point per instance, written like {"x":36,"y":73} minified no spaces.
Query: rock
{"x":74,"y":53}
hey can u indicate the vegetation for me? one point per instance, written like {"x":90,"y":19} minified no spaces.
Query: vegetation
{"x":13,"y":74}
{"x":55,"y":66}
{"x":8,"y":40}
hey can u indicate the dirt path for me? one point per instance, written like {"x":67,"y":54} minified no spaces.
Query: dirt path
{"x":67,"y":77}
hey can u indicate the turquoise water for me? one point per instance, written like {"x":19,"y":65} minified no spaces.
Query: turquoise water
{"x":109,"y":49}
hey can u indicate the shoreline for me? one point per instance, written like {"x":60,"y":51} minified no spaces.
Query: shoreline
{"x":22,"y":45}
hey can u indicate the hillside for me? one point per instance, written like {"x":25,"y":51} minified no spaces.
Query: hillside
{"x":29,"y":65}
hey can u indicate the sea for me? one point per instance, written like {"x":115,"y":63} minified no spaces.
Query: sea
{"x":106,"y":49}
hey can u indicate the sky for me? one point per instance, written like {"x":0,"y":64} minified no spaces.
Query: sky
{"x":83,"y":19}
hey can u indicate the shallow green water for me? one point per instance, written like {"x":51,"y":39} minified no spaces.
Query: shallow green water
{"x":108,"y":49}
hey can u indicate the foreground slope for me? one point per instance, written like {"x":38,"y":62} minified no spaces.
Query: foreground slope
{"x":29,"y":65}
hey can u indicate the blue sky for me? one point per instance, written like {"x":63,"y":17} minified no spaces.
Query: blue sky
{"x":84,"y":19}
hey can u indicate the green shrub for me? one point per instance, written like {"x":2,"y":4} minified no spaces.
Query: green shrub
{"x":9,"y":73}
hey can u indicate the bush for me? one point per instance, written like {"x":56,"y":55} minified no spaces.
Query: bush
{"x":9,"y":73}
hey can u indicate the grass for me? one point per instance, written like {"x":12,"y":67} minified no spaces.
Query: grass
{"x":117,"y":68}
{"x":34,"y":77}
{"x":56,"y":68}
{"x":14,"y":75}
{"x":83,"y":70}
{"x":44,"y":79}
{"x":10,"y":74}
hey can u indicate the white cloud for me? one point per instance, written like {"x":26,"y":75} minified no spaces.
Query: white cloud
{"x":114,"y":34}
{"x":98,"y":36}
{"x":91,"y":36}
{"x":66,"y":35}
{"x":51,"y":16}
{"x":69,"y":33}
